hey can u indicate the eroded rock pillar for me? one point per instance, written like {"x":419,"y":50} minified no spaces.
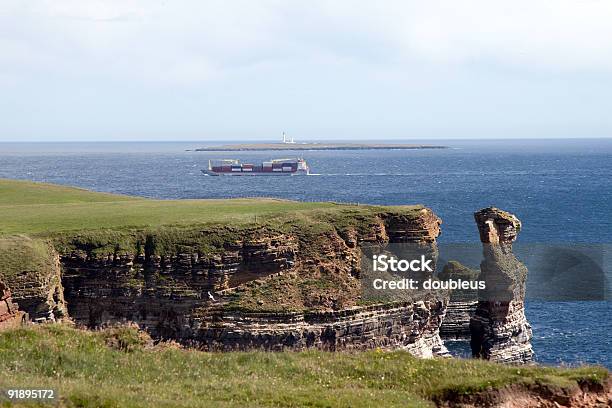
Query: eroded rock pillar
{"x":499,"y":329}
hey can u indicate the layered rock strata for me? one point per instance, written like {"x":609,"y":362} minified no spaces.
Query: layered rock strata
{"x":409,"y":326}
{"x":499,"y":328}
{"x":462,"y":304}
{"x":272,"y":292}
{"x":31,"y":268}
{"x":10,"y":316}
{"x":161,"y":293}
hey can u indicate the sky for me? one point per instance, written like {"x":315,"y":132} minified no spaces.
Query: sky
{"x":119,"y":70}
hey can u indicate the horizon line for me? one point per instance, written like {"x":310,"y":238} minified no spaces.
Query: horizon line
{"x":347,"y":140}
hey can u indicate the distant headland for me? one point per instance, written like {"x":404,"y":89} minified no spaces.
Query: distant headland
{"x":288,"y":143}
{"x":315,"y":146}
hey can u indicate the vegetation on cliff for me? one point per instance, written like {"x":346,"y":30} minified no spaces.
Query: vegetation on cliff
{"x":25,"y":256}
{"x":119,"y":367}
{"x":41,"y":221}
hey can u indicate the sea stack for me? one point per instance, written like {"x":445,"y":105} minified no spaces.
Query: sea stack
{"x":499,"y":329}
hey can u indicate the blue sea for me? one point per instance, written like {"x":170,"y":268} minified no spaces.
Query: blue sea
{"x":560,"y":189}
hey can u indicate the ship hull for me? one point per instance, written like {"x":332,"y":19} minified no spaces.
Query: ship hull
{"x":254,"y":173}
{"x":276,"y":167}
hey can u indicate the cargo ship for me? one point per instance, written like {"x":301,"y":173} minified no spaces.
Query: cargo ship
{"x":277,"y":167}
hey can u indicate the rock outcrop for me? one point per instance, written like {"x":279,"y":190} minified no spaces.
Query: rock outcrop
{"x":161,"y":293}
{"x":574,"y":394}
{"x":31,"y":268}
{"x":10,"y":316}
{"x":499,"y":328}
{"x":409,"y":326}
{"x":425,"y":228}
{"x":462,"y":304}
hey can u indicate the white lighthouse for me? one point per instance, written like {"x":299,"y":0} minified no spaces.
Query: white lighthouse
{"x":287,"y":141}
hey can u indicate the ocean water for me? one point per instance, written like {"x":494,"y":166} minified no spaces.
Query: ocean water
{"x":560,"y":189}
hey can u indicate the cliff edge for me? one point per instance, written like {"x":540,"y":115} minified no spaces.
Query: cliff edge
{"x":232,"y":275}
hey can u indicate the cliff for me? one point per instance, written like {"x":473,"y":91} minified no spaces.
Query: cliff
{"x":256,"y":288}
{"x":31,"y":268}
{"x":250,"y":275}
{"x":409,"y":326}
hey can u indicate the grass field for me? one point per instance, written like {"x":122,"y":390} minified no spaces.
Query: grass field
{"x":37,"y":208}
{"x":20,"y":192}
{"x":116,"y":367}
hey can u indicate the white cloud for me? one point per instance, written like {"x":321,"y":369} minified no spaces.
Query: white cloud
{"x":146,"y":66}
{"x":189,"y":41}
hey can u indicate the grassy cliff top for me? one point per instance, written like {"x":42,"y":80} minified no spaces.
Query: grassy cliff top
{"x":118,"y":367}
{"x":22,"y":192}
{"x":39,"y":209}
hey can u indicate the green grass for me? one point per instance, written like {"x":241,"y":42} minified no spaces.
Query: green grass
{"x":36,"y":219}
{"x":38,"y":209}
{"x":24,"y":256}
{"x":75,"y":219}
{"x":116,"y":368}
{"x":21,"y":192}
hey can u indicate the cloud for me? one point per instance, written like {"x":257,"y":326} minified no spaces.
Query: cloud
{"x":191,"y":41}
{"x":143,"y":66}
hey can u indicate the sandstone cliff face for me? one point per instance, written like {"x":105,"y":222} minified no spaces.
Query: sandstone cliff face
{"x":31,"y":268}
{"x":10,"y":316}
{"x":462,"y":304}
{"x":272,"y":292}
{"x":161,"y":293}
{"x":425,"y":228}
{"x":499,"y":328}
{"x":409,"y":326}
